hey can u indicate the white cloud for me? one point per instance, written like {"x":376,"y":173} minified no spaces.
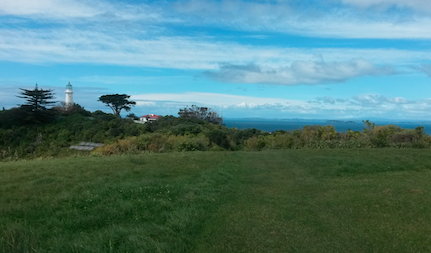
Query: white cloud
{"x":366,"y":28}
{"x":372,"y":100}
{"x":69,"y":46}
{"x":416,"y":5}
{"x":122,"y":48}
{"x":299,"y":72}
{"x":235,"y":11}
{"x":125,"y":80}
{"x":364,"y":105}
{"x":82,"y":11}
{"x":224,"y":104}
{"x":270,"y":64}
{"x":212,"y":99}
{"x":49,"y":8}
{"x":318,"y":19}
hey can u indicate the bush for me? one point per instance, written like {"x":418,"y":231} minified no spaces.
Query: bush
{"x":255,"y":143}
{"x":194,"y":143}
{"x":110,"y":149}
{"x":283,"y":141}
{"x":218,"y":137}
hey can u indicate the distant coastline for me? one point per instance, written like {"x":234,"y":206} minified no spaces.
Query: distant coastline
{"x":340,"y":121}
{"x":340,"y":125}
{"x":379,"y":121}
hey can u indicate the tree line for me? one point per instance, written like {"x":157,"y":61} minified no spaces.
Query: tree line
{"x":36,"y":109}
{"x":195,"y":129}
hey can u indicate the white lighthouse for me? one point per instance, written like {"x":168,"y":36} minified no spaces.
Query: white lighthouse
{"x":69,"y":96}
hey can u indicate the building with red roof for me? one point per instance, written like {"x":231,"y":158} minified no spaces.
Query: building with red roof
{"x":148,"y":118}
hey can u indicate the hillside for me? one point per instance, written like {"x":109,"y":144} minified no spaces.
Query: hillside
{"x":29,"y":139}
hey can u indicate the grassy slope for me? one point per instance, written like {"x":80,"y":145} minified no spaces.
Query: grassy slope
{"x":274,"y":201}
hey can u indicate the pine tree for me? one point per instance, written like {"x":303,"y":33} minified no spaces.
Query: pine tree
{"x":35,"y":109}
{"x":37,"y":99}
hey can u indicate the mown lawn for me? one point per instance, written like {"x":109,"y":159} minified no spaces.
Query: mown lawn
{"x":272,"y":201}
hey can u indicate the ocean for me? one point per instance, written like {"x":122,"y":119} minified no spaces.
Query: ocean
{"x":293,"y":125}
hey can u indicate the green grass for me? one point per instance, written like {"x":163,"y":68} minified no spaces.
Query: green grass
{"x":272,"y":201}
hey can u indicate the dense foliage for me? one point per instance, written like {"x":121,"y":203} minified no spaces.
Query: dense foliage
{"x":203,"y":113}
{"x":35,"y":109}
{"x":169,"y":133}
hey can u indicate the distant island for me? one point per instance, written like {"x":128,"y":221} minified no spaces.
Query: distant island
{"x":339,"y":121}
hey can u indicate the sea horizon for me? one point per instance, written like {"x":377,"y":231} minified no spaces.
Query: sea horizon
{"x":343,"y":125}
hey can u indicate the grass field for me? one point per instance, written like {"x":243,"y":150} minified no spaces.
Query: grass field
{"x":347,"y":200}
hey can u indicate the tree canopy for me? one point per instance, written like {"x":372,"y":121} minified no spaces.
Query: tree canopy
{"x":35,"y":110}
{"x":202,"y":113}
{"x":37,"y":99}
{"x":117,"y":102}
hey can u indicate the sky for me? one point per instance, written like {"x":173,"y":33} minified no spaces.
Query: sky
{"x":316,"y":59}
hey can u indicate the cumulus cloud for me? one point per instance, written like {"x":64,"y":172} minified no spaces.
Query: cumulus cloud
{"x":224,"y":103}
{"x":369,"y":105}
{"x":299,"y":72}
{"x":371,"y":100}
{"x":363,"y":105}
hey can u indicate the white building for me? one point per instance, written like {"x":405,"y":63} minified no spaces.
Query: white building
{"x":69,"y":96}
{"x":148,"y":118}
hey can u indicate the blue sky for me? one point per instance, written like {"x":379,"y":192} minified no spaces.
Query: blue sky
{"x":326,"y":59}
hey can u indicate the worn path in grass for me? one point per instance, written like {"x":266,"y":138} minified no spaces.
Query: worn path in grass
{"x":272,"y":201}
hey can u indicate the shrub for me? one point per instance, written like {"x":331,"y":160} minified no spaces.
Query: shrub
{"x":327,"y":132}
{"x":143,"y":141}
{"x":219,"y":138}
{"x":404,"y":137}
{"x":283,"y":141}
{"x":127,"y":145}
{"x":215,"y":147}
{"x":309,"y":133}
{"x":193,"y":143}
{"x":110,"y":149}
{"x":255,"y":143}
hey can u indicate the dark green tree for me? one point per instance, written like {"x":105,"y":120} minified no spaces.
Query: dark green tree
{"x":67,"y":110}
{"x":117,"y":102}
{"x":35,"y":109}
{"x":201,"y":113}
{"x":132,"y":116}
{"x":37,"y":99}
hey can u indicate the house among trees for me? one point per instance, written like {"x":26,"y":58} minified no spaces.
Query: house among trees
{"x":148,"y":118}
